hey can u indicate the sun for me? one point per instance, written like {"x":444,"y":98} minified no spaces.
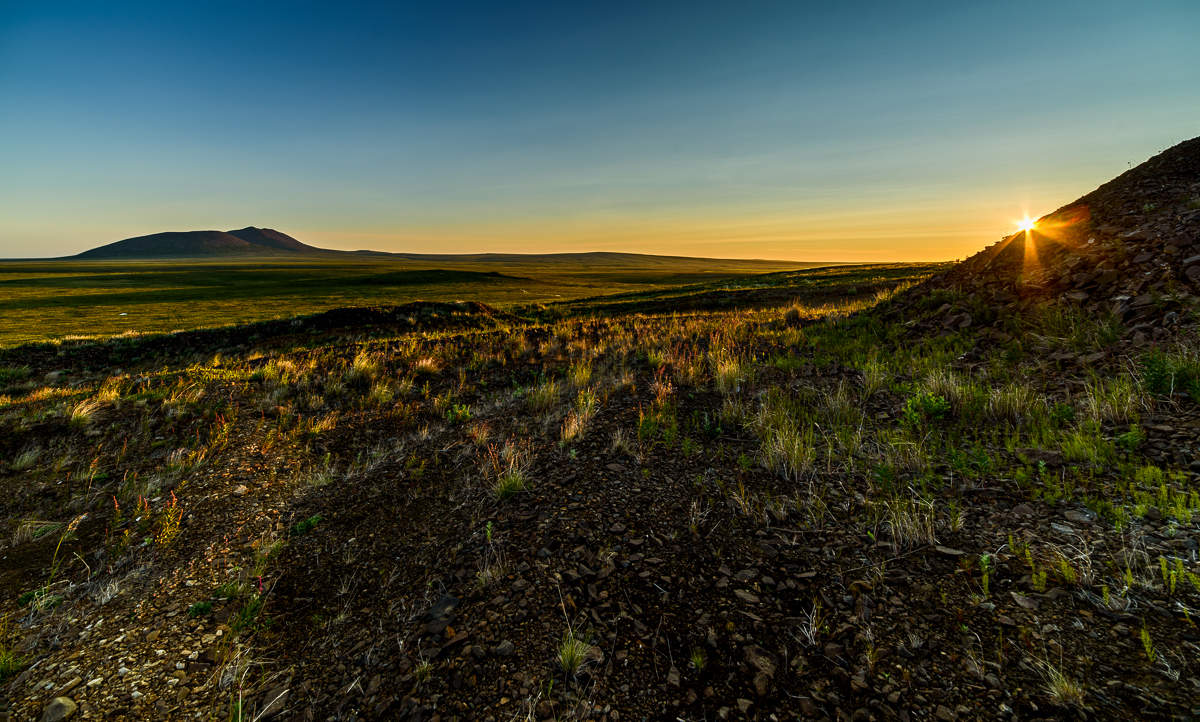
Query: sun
{"x":1026,"y":224}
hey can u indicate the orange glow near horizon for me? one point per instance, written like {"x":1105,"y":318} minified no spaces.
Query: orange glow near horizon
{"x":875,"y":234}
{"x":918,"y":231}
{"x":1032,"y":263}
{"x":1059,"y":229}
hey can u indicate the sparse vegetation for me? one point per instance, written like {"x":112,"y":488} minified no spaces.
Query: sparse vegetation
{"x":1062,"y":690}
{"x":573,"y":653}
{"x":410,"y":499}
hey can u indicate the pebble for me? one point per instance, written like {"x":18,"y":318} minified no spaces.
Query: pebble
{"x":60,"y":708}
{"x":505,"y":649}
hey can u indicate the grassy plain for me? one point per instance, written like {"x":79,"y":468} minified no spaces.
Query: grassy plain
{"x":54,"y":300}
{"x":44,"y":300}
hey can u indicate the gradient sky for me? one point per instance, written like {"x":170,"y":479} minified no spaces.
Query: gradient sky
{"x":806,"y":131}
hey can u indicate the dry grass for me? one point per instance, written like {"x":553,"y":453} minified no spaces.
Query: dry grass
{"x":911,"y":521}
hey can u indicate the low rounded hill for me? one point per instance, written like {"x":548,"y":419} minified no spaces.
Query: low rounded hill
{"x":248,"y":241}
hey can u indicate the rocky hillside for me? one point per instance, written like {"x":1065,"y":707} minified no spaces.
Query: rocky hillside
{"x":1130,"y":249}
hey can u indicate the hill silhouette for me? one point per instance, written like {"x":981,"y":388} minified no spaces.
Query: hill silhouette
{"x":267,"y":242}
{"x":248,"y":241}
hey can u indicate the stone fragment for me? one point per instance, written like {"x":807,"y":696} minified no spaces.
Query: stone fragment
{"x":673,"y":676}
{"x":505,"y":649}
{"x":60,"y":708}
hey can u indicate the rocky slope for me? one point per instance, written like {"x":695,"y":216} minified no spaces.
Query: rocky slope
{"x":1130,"y":248}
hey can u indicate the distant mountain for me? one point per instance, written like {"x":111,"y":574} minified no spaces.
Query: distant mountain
{"x":249,"y":241}
{"x":272,"y":238}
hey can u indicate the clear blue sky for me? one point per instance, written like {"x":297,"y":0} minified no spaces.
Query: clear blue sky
{"x":810,"y":131}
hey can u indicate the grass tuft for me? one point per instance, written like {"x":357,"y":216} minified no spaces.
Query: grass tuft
{"x":574,"y":652}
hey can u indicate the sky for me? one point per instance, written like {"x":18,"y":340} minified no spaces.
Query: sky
{"x":847,"y":131}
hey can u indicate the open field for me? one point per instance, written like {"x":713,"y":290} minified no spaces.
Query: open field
{"x":42,"y":300}
{"x":52,"y":300}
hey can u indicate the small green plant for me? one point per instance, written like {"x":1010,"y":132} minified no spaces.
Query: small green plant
{"x":698,"y":659}
{"x":1148,"y":645}
{"x":169,"y":521}
{"x":458,"y":414}
{"x":13,"y":374}
{"x":230,"y":590}
{"x":925,"y":406}
{"x":10,"y":662}
{"x":1173,"y":573}
{"x":199,"y":609}
{"x":423,"y":671}
{"x":1037,"y":576}
{"x":581,"y":373}
{"x":727,"y":370}
{"x":789,"y":450}
{"x":1063,"y":414}
{"x":985,"y":566}
{"x":1164,"y":374}
{"x":247,"y":618}
{"x":1132,"y":439}
{"x":955,"y":519}
{"x":39,"y":599}
{"x":510,"y":482}
{"x":303,"y":527}
{"x":1066,"y":572}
